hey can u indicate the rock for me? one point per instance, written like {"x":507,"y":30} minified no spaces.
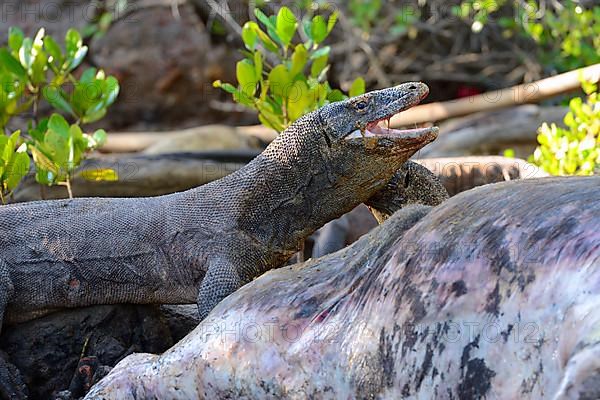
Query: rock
{"x":203,"y":138}
{"x":69,"y":349}
{"x":165,"y":67}
{"x":181,"y":319}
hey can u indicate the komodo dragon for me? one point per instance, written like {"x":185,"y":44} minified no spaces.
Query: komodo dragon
{"x":204,"y":243}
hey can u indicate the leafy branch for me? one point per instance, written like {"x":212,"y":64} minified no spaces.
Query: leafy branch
{"x":296,"y":83}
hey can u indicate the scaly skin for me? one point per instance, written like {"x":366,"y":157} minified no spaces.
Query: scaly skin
{"x":204,"y":243}
{"x":493,"y":294}
{"x":411,"y":184}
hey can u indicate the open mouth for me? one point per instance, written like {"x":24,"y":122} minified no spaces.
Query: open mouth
{"x":380,"y":128}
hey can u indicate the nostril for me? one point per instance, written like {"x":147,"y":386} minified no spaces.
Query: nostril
{"x":412,"y":87}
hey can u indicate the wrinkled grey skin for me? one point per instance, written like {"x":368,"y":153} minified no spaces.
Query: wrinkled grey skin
{"x":204,"y":243}
{"x":493,"y":294}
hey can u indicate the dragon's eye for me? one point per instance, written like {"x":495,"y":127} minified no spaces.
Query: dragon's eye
{"x":361,"y":105}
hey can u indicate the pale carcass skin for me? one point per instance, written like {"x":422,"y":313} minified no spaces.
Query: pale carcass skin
{"x":493,"y":294}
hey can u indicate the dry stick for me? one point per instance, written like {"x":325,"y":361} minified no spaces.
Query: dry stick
{"x":521,"y":94}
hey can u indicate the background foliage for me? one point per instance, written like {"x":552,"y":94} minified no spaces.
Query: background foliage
{"x":36,"y":69}
{"x":281,"y":78}
{"x":574,"y":149}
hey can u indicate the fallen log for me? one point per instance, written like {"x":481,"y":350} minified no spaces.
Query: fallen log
{"x":151,"y":175}
{"x":463,"y":173}
{"x":533,"y":92}
{"x":142,"y":175}
{"x":491,"y":133}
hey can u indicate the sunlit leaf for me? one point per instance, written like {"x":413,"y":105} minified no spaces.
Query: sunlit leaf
{"x":318,"y":29}
{"x":286,"y":25}
{"x":97,"y":175}
{"x":357,"y":88}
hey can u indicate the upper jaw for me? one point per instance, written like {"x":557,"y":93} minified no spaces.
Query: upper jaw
{"x":377,"y":129}
{"x":389,"y":133}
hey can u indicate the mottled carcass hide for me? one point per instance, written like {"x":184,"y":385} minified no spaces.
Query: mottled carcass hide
{"x":493,"y":294}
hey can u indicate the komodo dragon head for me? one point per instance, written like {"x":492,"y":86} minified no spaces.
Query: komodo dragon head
{"x":363,"y":154}
{"x":363,"y":149}
{"x":355,"y":119}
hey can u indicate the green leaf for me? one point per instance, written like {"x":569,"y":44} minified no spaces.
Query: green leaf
{"x":15,"y":38}
{"x":357,"y":88}
{"x":39,"y":131}
{"x":307,"y":26}
{"x":11,"y":64}
{"x":77,"y":58}
{"x":299,"y":59}
{"x":75,"y":49}
{"x":318,"y":66}
{"x":286,"y":25}
{"x":76,"y":145}
{"x":323,"y":51}
{"x":111,"y":91}
{"x":54,"y":50}
{"x":279,"y":80}
{"x":270,"y":24}
{"x":249,"y":35}
{"x":246,"y":77}
{"x":268,"y":118}
{"x":43,"y":176}
{"x":59,"y":124}
{"x":258,"y":65}
{"x":88,"y":76}
{"x":9,"y":147}
{"x":299,"y":100}
{"x":3,"y":141}
{"x":42,"y":161}
{"x":73,"y":41}
{"x":93,"y":116}
{"x":25,"y":56}
{"x":229,"y":88}
{"x":318,"y":29}
{"x":17,"y":170}
{"x":58,"y":149}
{"x":264,"y":19}
{"x":331,"y":21}
{"x":336,"y":95}
{"x":39,"y":67}
{"x":56,"y":98}
{"x":265,"y":39}
{"x":99,"y":138}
